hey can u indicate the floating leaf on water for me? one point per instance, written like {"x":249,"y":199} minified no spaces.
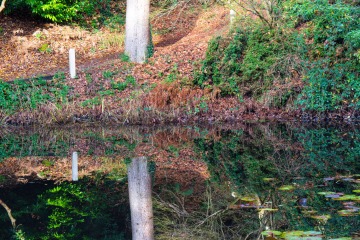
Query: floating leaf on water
{"x":248,"y":199}
{"x":309,"y":212}
{"x":356,"y":191}
{"x":333,"y":196}
{"x":348,"y":204}
{"x":342,"y":238}
{"x":286,"y":188}
{"x":348,"y":212}
{"x":286,"y":235}
{"x":347,"y":179}
{"x":269,"y":209}
{"x":270,"y":233}
{"x":326,"y":193}
{"x":348,"y":197}
{"x":312,"y":233}
{"x":269,"y":179}
{"x":321,"y":217}
{"x":303,"y":238}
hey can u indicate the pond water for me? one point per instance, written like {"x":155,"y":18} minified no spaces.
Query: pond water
{"x":251,"y":181}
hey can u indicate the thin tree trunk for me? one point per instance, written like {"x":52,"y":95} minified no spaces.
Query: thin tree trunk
{"x":140,"y":199}
{"x":137,"y":30}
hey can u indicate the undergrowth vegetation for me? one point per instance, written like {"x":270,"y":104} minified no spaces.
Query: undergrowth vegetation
{"x":23,"y":95}
{"x":307,"y":56}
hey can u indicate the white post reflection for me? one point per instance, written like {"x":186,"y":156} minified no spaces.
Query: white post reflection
{"x":74,"y":166}
{"x":139,"y":179}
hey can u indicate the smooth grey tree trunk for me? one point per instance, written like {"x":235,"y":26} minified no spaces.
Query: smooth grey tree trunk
{"x":139,"y":179}
{"x":137,"y":30}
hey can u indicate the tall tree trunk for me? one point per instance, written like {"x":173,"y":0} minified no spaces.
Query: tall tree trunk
{"x":137,"y":39}
{"x":139,"y":179}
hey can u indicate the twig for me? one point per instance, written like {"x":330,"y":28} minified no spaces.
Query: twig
{"x":215,"y":213}
{"x":8,"y":210}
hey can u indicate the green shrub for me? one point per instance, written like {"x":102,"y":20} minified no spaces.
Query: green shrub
{"x":82,"y":11}
{"x":242,"y":64}
{"x":56,"y":10}
{"x":316,"y":41}
{"x":331,"y":81}
{"x":221,"y":64}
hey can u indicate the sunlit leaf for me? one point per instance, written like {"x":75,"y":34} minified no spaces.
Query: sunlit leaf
{"x":356,"y":191}
{"x":286,"y":188}
{"x":269,"y":179}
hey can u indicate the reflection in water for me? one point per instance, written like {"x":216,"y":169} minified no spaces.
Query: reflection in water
{"x":139,"y":179}
{"x":251,"y":182}
{"x":8,"y":210}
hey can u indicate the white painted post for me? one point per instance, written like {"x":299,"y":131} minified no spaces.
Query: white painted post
{"x":74,"y":166}
{"x":72,"y":63}
{"x":232,"y":13}
{"x":232,"y":16}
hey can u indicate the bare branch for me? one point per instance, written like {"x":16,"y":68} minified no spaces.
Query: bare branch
{"x":2,"y":6}
{"x":8,"y":210}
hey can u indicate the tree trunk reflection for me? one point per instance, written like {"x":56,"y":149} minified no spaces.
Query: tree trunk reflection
{"x":140,"y":199}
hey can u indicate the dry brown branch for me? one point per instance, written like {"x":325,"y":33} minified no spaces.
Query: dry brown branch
{"x":8,"y":210}
{"x":2,"y":6}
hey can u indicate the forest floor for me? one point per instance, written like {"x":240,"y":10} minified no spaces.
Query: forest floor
{"x":31,"y":48}
{"x":163,"y":92}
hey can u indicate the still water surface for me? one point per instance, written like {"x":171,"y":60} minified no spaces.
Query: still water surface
{"x":245,"y":182}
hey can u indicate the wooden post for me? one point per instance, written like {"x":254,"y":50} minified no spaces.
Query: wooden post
{"x":140,"y":199}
